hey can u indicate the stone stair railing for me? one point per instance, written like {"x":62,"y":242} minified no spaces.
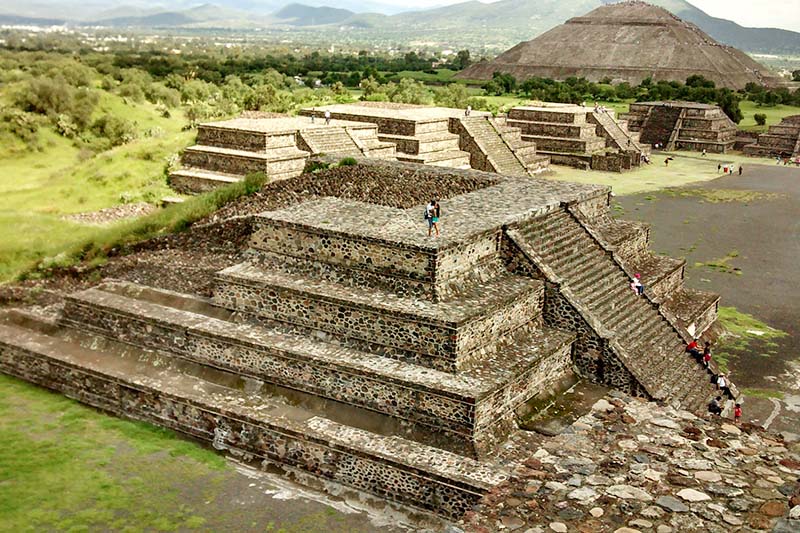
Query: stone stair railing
{"x":658,"y":305}
{"x":621,"y":138}
{"x":673,"y":137}
{"x":358,"y":142}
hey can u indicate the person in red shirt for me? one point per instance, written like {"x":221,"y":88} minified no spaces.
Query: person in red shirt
{"x":737,"y":413}
{"x":694,"y":350}
{"x":707,"y":354}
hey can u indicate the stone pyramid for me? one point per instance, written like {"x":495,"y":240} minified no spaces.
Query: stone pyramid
{"x":626,"y":41}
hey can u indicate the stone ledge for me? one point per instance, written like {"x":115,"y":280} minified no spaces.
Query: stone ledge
{"x":425,"y":477}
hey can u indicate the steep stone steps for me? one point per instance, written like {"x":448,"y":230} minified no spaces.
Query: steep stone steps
{"x":446,"y":335}
{"x":488,"y":140}
{"x":218,"y":408}
{"x":331,"y":141}
{"x":190,"y":328}
{"x":602,"y":288}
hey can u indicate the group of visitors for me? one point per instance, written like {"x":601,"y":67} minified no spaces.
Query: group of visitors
{"x":728,"y":169}
{"x":600,"y":108}
{"x":327,"y":115}
{"x":723,"y":387}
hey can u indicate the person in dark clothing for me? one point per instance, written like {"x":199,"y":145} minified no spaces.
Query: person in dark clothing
{"x":694,"y":350}
{"x":714,"y":407}
{"x":740,"y":170}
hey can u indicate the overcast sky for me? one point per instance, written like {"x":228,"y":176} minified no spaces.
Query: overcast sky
{"x":753,"y":13}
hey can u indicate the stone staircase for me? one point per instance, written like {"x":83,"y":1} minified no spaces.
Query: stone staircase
{"x":659,"y":124}
{"x":633,"y":327}
{"x":615,"y":131}
{"x":491,"y":148}
{"x":330,"y":141}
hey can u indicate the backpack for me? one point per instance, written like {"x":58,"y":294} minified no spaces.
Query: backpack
{"x":425,"y":214}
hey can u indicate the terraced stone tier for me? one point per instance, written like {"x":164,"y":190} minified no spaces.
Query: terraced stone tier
{"x":474,"y":409}
{"x":443,"y":158}
{"x":378,"y":240}
{"x":695,"y":310}
{"x":216,"y":408}
{"x":198,"y":181}
{"x":450,"y":335}
{"x":554,"y":129}
{"x":240,"y":162}
{"x":547,"y":145}
{"x":562,"y":114}
{"x":423,"y":143}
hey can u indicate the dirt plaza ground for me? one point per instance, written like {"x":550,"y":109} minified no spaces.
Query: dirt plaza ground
{"x":739,"y":235}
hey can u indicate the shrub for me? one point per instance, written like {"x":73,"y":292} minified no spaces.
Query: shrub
{"x":760,"y":118}
{"x":117,"y":130}
{"x":348,"y":162}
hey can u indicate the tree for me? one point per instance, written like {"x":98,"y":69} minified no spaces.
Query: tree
{"x":454,"y":95}
{"x":729,"y":102}
{"x":505,"y":81}
{"x":408,"y":91}
{"x":760,"y":118}
{"x":462,"y":60}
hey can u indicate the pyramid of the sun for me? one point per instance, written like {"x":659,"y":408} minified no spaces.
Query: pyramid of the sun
{"x":627,"y":41}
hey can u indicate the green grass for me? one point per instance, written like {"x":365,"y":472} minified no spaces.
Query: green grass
{"x":443,"y":75}
{"x":95,"y":247}
{"x":685,"y":168}
{"x":743,"y":335}
{"x":763,"y":393}
{"x":40,"y":187}
{"x":774,"y":115}
{"x":66,"y":467}
{"x":722,"y":264}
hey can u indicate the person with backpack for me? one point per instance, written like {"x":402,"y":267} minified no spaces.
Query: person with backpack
{"x":432,"y":213}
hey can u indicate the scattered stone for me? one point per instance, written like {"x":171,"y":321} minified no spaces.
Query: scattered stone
{"x":558,"y":527}
{"x":784,"y":525}
{"x":773,"y":508}
{"x":652,"y":511}
{"x":691,"y":495}
{"x":570,"y":514}
{"x":512,"y":522}
{"x":665,"y":423}
{"x":628,"y":492}
{"x":707,"y":475}
{"x":597,"y":512}
{"x":584,"y":495}
{"x":672,"y":504}
{"x":626,"y":530}
{"x":663,"y":529}
{"x":602,"y":405}
{"x":732,"y":519}
{"x":730,"y":429}
{"x":644,"y":524}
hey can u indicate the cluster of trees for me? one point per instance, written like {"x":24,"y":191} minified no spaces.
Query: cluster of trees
{"x":409,"y":91}
{"x":695,"y":89}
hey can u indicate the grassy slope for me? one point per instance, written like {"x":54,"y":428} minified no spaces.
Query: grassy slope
{"x":40,"y":187}
{"x":774,"y":115}
{"x":69,"y":468}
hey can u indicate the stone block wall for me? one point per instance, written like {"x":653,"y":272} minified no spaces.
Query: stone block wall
{"x":436,"y":343}
{"x":539,"y":115}
{"x":314,"y":446}
{"x":611,"y":162}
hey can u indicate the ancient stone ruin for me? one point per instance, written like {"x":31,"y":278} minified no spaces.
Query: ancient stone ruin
{"x":228,"y":150}
{"x":626,"y":42}
{"x":280,"y":146}
{"x":682,"y":126}
{"x":781,"y":140}
{"x":350,"y":347}
{"x":579,"y":136}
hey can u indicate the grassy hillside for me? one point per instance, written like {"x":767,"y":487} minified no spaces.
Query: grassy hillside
{"x":41,"y":186}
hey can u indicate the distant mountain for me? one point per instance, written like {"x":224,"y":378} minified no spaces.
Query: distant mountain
{"x":493,"y":26}
{"x":303,"y":15}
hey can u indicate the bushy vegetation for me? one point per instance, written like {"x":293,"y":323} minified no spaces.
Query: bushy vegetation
{"x":171,"y":219}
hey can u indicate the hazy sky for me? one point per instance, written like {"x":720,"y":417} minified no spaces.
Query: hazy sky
{"x":753,"y":13}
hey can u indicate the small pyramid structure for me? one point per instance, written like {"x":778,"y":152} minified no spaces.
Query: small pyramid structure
{"x":627,"y":42}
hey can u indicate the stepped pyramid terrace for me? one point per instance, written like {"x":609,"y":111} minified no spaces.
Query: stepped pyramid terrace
{"x":280,"y":146}
{"x":626,"y":42}
{"x":781,"y":140}
{"x":317,"y":327}
{"x":579,"y":136}
{"x":682,"y":125}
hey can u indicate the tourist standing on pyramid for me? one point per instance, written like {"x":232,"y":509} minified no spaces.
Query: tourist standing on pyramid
{"x":432,"y":212}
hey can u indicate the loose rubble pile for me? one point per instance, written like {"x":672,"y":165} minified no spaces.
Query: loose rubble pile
{"x":631,"y":465}
{"x":112,"y":214}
